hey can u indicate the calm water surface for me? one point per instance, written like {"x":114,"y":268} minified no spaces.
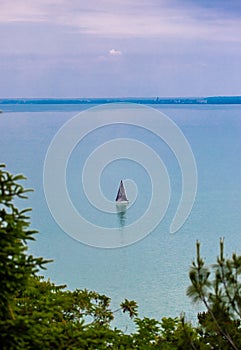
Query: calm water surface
{"x":153,"y":271}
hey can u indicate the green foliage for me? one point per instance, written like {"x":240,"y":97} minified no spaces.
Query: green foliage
{"x":15,"y":265}
{"x":130,"y":307}
{"x":220,"y":292}
{"x":37,"y":314}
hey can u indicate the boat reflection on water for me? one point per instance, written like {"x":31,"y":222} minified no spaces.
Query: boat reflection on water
{"x":121,"y":204}
{"x":121,"y":213}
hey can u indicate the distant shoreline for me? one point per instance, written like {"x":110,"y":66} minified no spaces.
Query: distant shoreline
{"x":144,"y":100}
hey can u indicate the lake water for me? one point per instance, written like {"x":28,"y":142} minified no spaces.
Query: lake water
{"x":154,"y":270}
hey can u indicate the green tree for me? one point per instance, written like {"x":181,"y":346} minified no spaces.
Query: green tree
{"x":37,"y":314}
{"x":15,"y":265}
{"x":219,"y":289}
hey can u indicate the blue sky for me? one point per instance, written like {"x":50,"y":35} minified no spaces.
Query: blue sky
{"x":109,"y":48}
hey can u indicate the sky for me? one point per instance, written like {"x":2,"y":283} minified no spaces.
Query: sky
{"x":120,"y":48}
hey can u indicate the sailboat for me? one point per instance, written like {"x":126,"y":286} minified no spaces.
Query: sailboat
{"x":121,"y":198}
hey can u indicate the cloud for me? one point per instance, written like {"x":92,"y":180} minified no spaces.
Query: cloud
{"x":28,"y":11}
{"x":114,"y":52}
{"x":24,"y":11}
{"x":151,"y":19}
{"x":130,"y":18}
{"x":171,"y":47}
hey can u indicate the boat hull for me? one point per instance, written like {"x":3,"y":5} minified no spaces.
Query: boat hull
{"x":121,"y":206}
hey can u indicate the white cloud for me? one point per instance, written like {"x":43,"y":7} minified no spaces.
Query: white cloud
{"x":114,"y":52}
{"x":150,"y":19}
{"x":126,"y":19}
{"x":30,"y":11}
{"x":24,"y":11}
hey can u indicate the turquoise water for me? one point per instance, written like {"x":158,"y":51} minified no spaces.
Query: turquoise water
{"x":153,"y":271}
